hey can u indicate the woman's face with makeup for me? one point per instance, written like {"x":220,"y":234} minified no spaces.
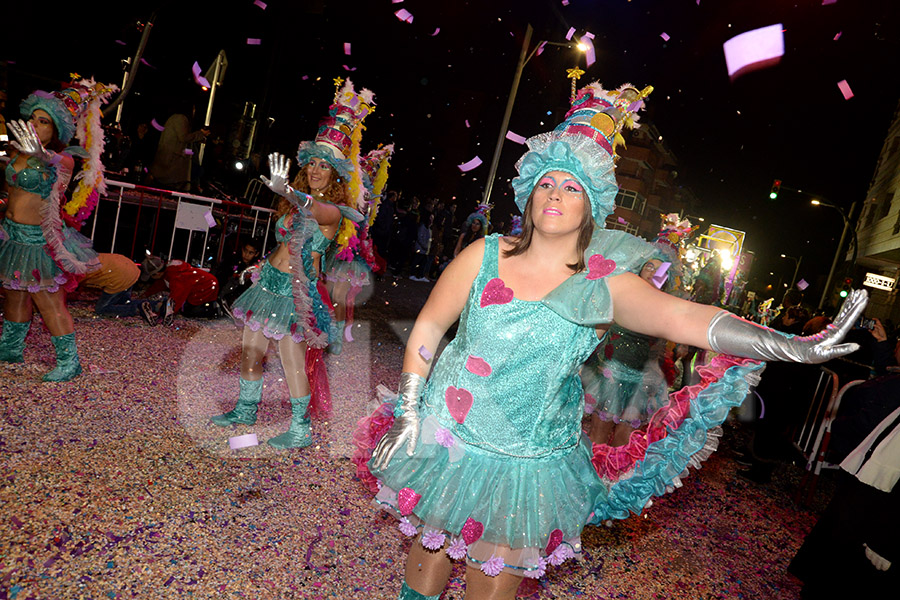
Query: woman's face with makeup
{"x":558,"y":203}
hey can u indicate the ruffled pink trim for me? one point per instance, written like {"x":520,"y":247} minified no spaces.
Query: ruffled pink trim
{"x":611,"y":463}
{"x":369,"y":430}
{"x":320,"y":402}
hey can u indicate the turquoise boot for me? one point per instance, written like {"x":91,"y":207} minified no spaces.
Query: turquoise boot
{"x":12,"y":341}
{"x":298,"y":435}
{"x":67,"y":364}
{"x":337,"y":344}
{"x":407,"y":593}
{"x":244,"y":411}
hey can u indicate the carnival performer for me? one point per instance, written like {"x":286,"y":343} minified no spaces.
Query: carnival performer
{"x":40,"y":256}
{"x":486,"y":460}
{"x":475,"y":228}
{"x":351,"y":260}
{"x":624,"y":379}
{"x":288,"y":302}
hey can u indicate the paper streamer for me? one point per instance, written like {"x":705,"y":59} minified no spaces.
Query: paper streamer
{"x":260,"y":4}
{"x":570,"y":33}
{"x":156,"y":125}
{"x":845,"y":89}
{"x":210,"y":220}
{"x":751,"y":47}
{"x":802,"y":285}
{"x":515,"y":137}
{"x":347,"y":48}
{"x":243,"y":441}
{"x":425,"y":354}
{"x":198,"y":78}
{"x":404,"y":15}
{"x":468,"y":166}
{"x":254,"y":41}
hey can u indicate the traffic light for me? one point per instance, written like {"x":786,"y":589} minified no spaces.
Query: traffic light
{"x":776,"y":187}
{"x":846,"y":287}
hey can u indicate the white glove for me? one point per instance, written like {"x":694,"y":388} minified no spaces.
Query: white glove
{"x":279,"y":168}
{"x":729,"y":334}
{"x":878,"y":561}
{"x":406,"y":424}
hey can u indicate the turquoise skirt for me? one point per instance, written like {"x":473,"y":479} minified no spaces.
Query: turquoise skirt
{"x":25,"y":263}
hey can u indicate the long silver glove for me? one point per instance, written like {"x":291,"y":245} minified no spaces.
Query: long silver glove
{"x":279,"y":168}
{"x":406,"y":424}
{"x":729,"y":334}
{"x":27,"y":141}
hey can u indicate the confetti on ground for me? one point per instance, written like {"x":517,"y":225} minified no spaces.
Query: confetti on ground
{"x":127,"y":490}
{"x":754,"y":49}
{"x":468,"y":166}
{"x":845,"y":89}
{"x":515,"y":137}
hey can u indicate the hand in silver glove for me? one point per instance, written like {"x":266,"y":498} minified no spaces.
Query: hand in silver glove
{"x":248,"y":273}
{"x":27,"y":140}
{"x":406,"y":424}
{"x":279,"y":168}
{"x":729,"y":334}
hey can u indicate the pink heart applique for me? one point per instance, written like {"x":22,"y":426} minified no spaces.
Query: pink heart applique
{"x":407,"y":500}
{"x":478,"y":366}
{"x":472,"y":531}
{"x":459,"y":401}
{"x":555,"y":540}
{"x":599,"y":267}
{"x":495,"y":292}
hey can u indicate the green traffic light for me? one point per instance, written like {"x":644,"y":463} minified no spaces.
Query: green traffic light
{"x":773,"y":195}
{"x":844,"y":293}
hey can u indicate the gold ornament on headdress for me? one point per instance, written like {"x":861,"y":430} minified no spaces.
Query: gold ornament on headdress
{"x":574,"y":74}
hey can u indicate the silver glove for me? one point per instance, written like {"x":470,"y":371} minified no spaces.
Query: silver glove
{"x":279,"y":168}
{"x":406,"y":425}
{"x":729,"y":334}
{"x":27,"y":141}
{"x":248,"y":273}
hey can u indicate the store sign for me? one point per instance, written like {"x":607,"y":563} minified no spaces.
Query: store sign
{"x":879,"y":282}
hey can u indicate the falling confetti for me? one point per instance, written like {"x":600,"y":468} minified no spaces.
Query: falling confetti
{"x":260,"y":4}
{"x":254,"y":41}
{"x":198,"y":78}
{"x":468,"y":166}
{"x":515,"y":137}
{"x":156,"y":125}
{"x":845,"y":89}
{"x":346,"y":68}
{"x":838,"y":36}
{"x":802,"y":285}
{"x":570,"y":33}
{"x":347,"y":48}
{"x":664,"y":36}
{"x":755,"y":48}
{"x":404,"y":15}
{"x":436,"y":31}
{"x":590,"y":56}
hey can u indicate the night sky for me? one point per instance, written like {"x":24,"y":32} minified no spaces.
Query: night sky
{"x":732,"y":138}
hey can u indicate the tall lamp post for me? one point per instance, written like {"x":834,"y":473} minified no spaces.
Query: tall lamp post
{"x":524,"y":56}
{"x":796,"y":268}
{"x":837,"y":253}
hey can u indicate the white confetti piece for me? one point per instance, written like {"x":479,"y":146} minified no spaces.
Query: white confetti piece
{"x":210,"y":220}
{"x":243,"y":441}
{"x":756,"y":47}
{"x":425,"y":353}
{"x":468,"y":166}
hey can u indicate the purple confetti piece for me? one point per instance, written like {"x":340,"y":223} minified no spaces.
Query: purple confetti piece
{"x":589,"y":35}
{"x":396,"y":1}
{"x":260,"y":4}
{"x":254,"y":41}
{"x":144,"y":61}
{"x":827,"y":2}
{"x":120,"y":42}
{"x":664,"y":36}
{"x":156,"y":126}
{"x":467,"y":123}
{"x":589,"y":55}
{"x":565,"y":2}
{"x":210,"y":220}
{"x":752,"y":47}
{"x":845,"y":89}
{"x":188,"y":152}
{"x":404,"y":15}
{"x":198,"y":78}
{"x":468,"y":166}
{"x":515,"y":137}
{"x":570,"y":33}
{"x":346,"y":68}
{"x":802,"y":285}
{"x":425,"y":353}
{"x":436,"y":31}
{"x":347,"y":48}
{"x":540,"y":48}
{"x":838,"y":36}
{"x":305,"y":77}
{"x":243,"y":441}
{"x":622,"y":221}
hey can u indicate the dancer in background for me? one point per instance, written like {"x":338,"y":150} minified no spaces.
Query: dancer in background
{"x":40,"y":255}
{"x":486,"y":461}
{"x":288,"y":303}
{"x":351,"y":260}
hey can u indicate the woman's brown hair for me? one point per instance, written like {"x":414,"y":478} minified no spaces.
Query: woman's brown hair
{"x":335,"y":192}
{"x":523,"y":241}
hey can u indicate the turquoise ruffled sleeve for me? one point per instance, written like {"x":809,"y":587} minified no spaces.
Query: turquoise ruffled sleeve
{"x":584,"y":297}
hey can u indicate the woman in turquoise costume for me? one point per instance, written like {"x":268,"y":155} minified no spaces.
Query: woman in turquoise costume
{"x":486,"y":459}
{"x":288,"y":302}
{"x":41,"y":257}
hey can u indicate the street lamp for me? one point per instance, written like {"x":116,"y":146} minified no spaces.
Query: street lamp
{"x":524,"y":57}
{"x":837,"y":252}
{"x":796,"y":268}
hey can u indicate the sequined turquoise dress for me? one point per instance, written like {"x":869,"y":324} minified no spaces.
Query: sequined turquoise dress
{"x":501,"y":465}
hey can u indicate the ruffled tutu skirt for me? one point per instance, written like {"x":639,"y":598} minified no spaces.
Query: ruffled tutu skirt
{"x":25,"y":264}
{"x":621,"y":393}
{"x":518,"y":515}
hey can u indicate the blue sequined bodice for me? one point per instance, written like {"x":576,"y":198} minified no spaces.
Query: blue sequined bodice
{"x":36,"y":178}
{"x":516,"y":362}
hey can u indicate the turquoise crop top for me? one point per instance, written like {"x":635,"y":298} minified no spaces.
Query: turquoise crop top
{"x":319,"y":243}
{"x":36,"y":178}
